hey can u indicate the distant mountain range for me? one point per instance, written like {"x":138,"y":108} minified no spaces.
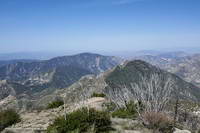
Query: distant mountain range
{"x":7,"y":62}
{"x":125,"y":54}
{"x":32,"y":55}
{"x":186,"y":67}
{"x":31,"y":77}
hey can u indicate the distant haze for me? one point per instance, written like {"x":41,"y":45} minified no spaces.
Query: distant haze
{"x":45,"y":55}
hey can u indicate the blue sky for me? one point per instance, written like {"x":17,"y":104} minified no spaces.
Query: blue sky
{"x":98,"y":25}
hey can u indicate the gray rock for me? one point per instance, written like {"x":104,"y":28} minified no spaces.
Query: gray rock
{"x":181,"y":131}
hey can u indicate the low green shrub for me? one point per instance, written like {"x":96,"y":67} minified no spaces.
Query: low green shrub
{"x":128,"y":112}
{"x":80,"y":121}
{"x":8,"y":118}
{"x":98,"y":95}
{"x":55,"y":104}
{"x":109,"y":106}
{"x":122,"y":113}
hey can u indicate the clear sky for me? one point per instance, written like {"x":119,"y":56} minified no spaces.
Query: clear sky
{"x":98,"y":25}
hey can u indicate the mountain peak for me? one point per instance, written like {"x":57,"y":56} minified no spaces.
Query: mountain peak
{"x":136,"y":62}
{"x":133,"y":71}
{"x":87,"y":54}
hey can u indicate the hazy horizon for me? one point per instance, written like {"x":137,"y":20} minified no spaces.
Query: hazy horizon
{"x":46,"y":55}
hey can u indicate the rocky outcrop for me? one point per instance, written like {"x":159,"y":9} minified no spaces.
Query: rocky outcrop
{"x":181,"y":131}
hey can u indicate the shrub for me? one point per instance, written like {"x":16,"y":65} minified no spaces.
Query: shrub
{"x":8,"y":118}
{"x":110,"y":106}
{"x":122,"y":113}
{"x":82,"y":120}
{"x":158,"y":121}
{"x":98,"y":95}
{"x":128,"y":112}
{"x":55,"y":104}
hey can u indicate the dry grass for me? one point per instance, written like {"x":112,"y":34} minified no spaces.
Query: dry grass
{"x":158,"y":121}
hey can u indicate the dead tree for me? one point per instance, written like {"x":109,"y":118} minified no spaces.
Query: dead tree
{"x":84,"y":97}
{"x":154,"y":92}
{"x":176,"y":111}
{"x":120,"y":96}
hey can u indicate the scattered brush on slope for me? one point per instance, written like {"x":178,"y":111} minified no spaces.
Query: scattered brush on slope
{"x":8,"y":118}
{"x":55,"y":104}
{"x":127,"y":112}
{"x":98,"y":95}
{"x":82,"y":120}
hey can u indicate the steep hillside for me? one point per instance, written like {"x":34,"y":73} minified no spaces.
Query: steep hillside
{"x":8,"y":88}
{"x":134,"y":71}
